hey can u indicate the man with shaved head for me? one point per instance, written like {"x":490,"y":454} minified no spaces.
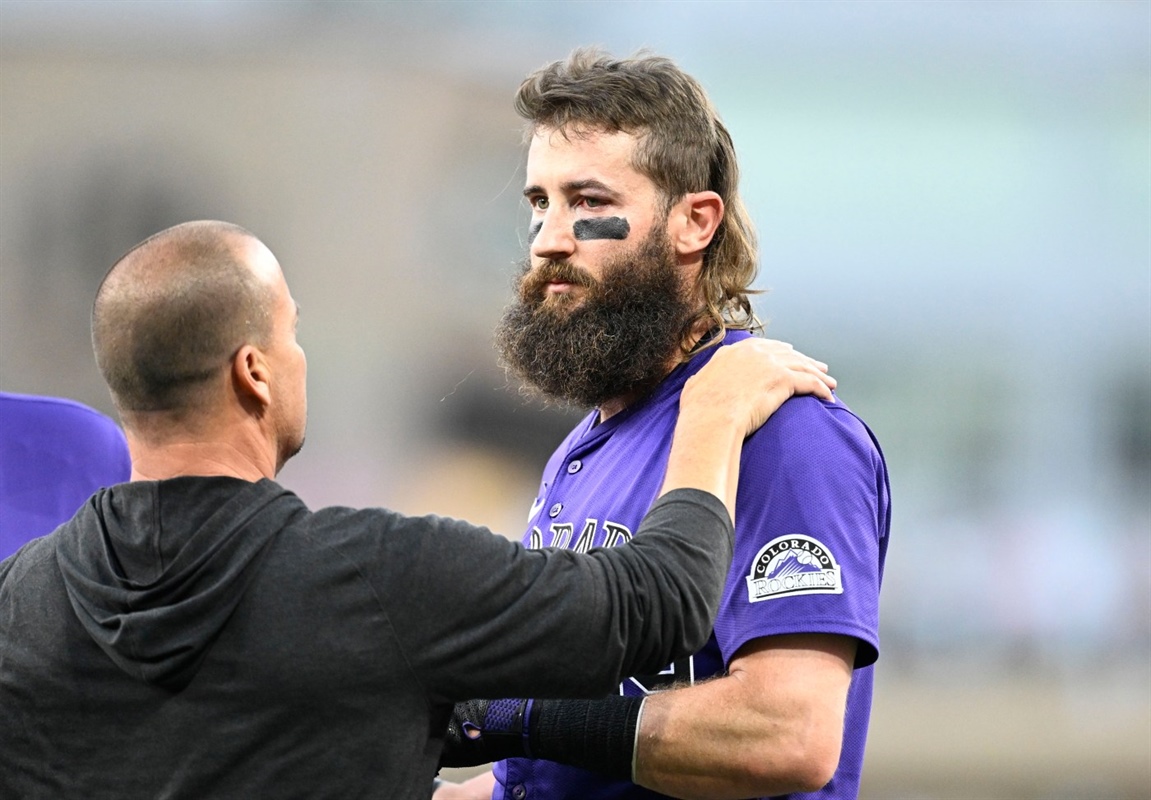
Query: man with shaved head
{"x":199,"y":632}
{"x":172,"y":313}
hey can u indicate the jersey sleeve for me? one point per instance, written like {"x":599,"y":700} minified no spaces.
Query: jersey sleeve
{"x":812,"y":519}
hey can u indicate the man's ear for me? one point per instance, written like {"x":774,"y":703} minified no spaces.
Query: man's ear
{"x":252,"y":376}
{"x":694,"y":221}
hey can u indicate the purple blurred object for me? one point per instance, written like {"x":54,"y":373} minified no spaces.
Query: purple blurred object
{"x":54,"y":454}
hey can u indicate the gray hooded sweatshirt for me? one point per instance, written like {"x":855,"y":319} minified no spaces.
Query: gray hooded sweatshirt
{"x":214,"y":638}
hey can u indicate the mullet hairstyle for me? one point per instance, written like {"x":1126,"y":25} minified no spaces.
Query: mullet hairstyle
{"x":172,"y":312}
{"x":682,"y":147}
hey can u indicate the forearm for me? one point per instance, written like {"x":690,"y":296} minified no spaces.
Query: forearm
{"x":696,"y":742}
{"x":773,"y":725}
{"x":701,"y":742}
{"x":636,"y":606}
{"x":595,"y":735}
{"x":680,"y":583}
{"x":705,"y":454}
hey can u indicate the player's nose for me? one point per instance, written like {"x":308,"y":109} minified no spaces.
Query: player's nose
{"x":552,"y":237}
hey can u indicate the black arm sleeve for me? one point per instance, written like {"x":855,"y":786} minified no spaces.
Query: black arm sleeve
{"x":597,"y":735}
{"x":480,"y":616}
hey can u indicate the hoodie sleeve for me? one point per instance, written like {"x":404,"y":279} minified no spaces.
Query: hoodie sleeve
{"x":481,"y":616}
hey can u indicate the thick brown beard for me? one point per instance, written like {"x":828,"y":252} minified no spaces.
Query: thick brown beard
{"x":618,"y":340}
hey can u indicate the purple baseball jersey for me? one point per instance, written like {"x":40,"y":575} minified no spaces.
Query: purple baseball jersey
{"x":54,"y":454}
{"x":810,"y":539}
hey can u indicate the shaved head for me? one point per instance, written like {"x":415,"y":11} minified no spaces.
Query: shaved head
{"x":172,"y":312}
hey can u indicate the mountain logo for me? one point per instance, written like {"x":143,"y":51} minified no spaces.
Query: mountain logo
{"x":793,"y":565}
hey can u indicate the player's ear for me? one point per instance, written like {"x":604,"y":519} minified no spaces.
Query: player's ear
{"x":252,"y":376}
{"x":693,"y":222}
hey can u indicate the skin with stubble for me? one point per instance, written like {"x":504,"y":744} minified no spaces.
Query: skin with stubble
{"x":195,"y":332}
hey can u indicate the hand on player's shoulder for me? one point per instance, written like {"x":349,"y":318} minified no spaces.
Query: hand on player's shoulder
{"x":752,"y":378}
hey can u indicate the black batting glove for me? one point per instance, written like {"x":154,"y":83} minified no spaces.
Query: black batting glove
{"x":483,"y":731}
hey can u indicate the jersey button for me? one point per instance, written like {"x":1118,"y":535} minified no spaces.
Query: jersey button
{"x":519,"y":792}
{"x":555,"y":510}
{"x":574,"y":467}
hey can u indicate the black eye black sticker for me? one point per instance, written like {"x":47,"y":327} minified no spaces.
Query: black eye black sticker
{"x":534,"y":231}
{"x":601,"y":228}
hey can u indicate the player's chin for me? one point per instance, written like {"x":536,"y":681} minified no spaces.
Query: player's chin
{"x":563,"y":296}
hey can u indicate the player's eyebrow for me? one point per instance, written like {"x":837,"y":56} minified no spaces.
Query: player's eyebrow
{"x":572,"y":186}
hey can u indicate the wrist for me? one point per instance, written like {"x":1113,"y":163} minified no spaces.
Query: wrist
{"x":597,"y":735}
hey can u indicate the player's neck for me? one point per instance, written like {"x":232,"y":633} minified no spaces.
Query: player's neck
{"x":610,"y":408}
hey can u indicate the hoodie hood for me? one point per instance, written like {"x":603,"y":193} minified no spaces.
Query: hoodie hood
{"x":154,"y":569}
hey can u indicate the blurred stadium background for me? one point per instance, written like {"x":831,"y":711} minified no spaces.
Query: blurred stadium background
{"x":953,"y":200}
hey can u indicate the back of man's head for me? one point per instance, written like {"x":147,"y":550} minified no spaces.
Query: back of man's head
{"x":171,"y":313}
{"x":682,"y":146}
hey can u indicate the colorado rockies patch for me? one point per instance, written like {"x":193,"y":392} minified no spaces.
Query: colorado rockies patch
{"x":793,"y":565}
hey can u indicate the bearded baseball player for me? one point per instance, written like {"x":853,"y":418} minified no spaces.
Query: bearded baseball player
{"x":641,"y":262}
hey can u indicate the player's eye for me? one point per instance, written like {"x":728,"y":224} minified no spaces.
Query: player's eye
{"x":539,"y":203}
{"x":594,"y":202}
